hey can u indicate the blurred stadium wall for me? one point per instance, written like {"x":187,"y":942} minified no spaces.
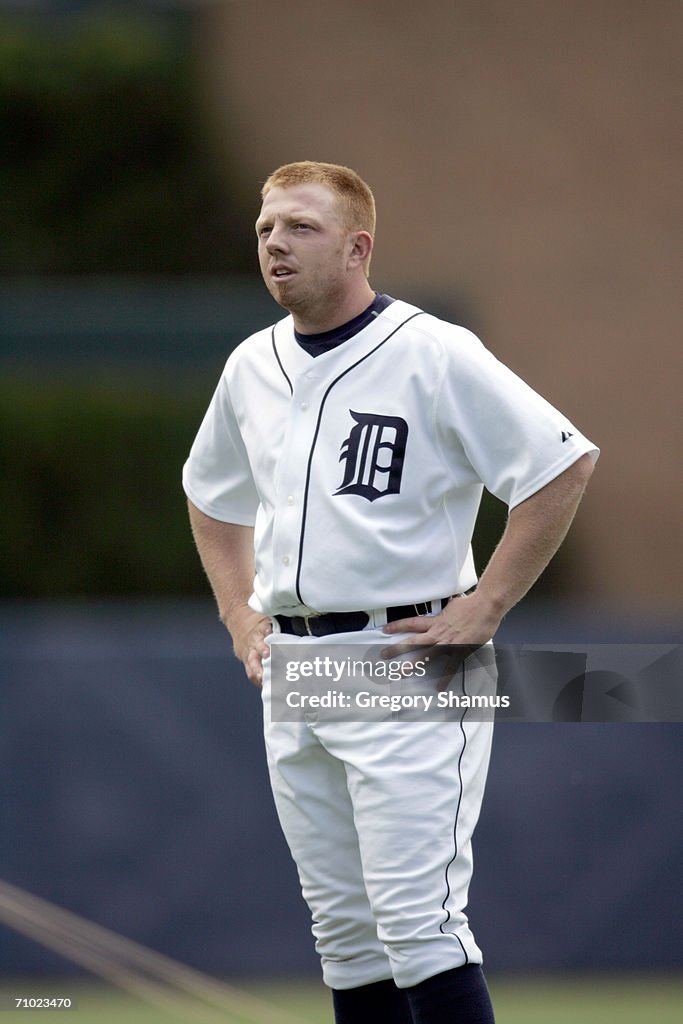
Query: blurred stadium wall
{"x":134,"y":791}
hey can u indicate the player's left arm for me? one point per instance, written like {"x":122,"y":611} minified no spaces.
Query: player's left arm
{"x":534,"y":531}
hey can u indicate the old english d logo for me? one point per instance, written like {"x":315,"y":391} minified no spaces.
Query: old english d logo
{"x":373,"y":452}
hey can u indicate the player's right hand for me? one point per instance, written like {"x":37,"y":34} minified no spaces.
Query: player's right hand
{"x":249,"y":630}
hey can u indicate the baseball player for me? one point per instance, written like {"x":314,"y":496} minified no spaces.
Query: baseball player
{"x":333,"y":489}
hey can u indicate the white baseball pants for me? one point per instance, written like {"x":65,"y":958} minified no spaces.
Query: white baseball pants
{"x":379,"y":817}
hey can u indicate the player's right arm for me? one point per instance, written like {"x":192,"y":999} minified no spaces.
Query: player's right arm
{"x":227,"y":554}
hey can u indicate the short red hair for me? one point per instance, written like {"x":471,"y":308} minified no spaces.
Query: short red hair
{"x":356,"y":200}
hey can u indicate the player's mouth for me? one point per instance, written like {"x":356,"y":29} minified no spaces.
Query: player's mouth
{"x":281,"y":273}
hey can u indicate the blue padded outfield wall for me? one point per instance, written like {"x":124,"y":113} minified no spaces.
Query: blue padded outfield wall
{"x":134,"y":792}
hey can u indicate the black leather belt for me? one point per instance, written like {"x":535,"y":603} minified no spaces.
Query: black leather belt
{"x":351,"y":622}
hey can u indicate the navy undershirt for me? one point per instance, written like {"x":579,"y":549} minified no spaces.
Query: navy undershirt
{"x":316,"y":344}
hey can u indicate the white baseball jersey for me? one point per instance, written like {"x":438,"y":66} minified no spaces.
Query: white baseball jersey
{"x":362,"y":469}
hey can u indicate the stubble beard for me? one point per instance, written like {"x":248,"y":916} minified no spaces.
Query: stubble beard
{"x":311,"y":306}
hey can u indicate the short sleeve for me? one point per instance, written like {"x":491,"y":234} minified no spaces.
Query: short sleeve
{"x":508,"y":436}
{"x":217,"y":477}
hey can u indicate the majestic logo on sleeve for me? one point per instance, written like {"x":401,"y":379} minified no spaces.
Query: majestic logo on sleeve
{"x":374,"y":453}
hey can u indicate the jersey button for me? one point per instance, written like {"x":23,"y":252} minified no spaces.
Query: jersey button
{"x":290,"y":499}
{"x":285,"y":560}
{"x":304,"y":406}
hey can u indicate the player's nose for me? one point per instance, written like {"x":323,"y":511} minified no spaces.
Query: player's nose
{"x":276,"y":241}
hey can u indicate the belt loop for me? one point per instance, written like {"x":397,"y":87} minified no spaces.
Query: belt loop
{"x":379,"y":617}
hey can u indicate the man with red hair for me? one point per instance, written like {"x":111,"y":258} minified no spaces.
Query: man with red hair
{"x":334,"y":486}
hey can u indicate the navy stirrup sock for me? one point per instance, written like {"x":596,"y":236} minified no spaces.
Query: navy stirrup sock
{"x":379,"y":1003}
{"x":459,"y":996}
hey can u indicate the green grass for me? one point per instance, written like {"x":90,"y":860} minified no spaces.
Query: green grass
{"x":627,"y":999}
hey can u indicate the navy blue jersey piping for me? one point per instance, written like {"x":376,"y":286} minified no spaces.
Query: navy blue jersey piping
{"x":279,"y":361}
{"x":442,"y":926}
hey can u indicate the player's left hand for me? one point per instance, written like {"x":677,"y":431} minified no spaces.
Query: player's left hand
{"x":466,"y":622}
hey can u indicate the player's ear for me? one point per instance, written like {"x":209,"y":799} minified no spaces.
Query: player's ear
{"x":360,"y":243}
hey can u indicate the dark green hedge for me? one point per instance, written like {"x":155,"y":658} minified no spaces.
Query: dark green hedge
{"x":108,"y":165}
{"x":90,"y":489}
